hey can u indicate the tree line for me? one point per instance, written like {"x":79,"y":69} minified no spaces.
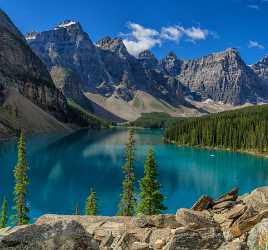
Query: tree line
{"x":148,"y":201}
{"x":245,"y":129}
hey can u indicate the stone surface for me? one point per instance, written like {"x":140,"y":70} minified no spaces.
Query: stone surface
{"x":203,"y":203}
{"x":258,"y":236}
{"x":199,"y":219}
{"x":60,"y":235}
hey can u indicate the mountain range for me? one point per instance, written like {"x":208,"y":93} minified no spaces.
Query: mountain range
{"x":41,"y":71}
{"x":119,"y":86}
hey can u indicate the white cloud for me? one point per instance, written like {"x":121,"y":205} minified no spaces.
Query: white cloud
{"x":171,"y":33}
{"x":140,"y":38}
{"x":255,"y":44}
{"x":254,"y":6}
{"x":195,"y":33}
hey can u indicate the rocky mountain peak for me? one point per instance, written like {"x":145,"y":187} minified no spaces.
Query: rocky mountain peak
{"x":148,"y":59}
{"x":113,"y":44}
{"x":68,"y":24}
{"x":171,"y":64}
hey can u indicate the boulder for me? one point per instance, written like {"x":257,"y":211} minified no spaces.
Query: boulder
{"x":203,"y":203}
{"x":200,"y":219}
{"x":236,"y":211}
{"x":230,"y":196}
{"x":60,"y":235}
{"x":186,"y":239}
{"x":258,"y":236}
{"x":224,"y":205}
{"x":258,"y":199}
{"x":245,"y":223}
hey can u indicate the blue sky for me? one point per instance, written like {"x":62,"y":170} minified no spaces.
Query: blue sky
{"x":191,"y":28}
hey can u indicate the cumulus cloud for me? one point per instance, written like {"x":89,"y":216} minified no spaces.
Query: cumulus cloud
{"x":255,"y":44}
{"x":171,"y":33}
{"x":141,"y":38}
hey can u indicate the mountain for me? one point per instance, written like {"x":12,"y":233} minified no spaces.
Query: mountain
{"x":261,"y":69}
{"x":110,"y":82}
{"x":223,"y":77}
{"x":28,"y":96}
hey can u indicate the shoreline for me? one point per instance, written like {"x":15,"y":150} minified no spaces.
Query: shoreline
{"x":248,"y":152}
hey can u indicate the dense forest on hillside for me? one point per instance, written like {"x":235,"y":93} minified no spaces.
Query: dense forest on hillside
{"x":244,"y":129}
{"x":154,"y":120}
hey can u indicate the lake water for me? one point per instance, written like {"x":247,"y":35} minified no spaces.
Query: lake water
{"x":63,"y":168}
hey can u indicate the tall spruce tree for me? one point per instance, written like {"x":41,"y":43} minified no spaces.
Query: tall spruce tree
{"x":151,"y":200}
{"x":91,"y":207}
{"x":21,"y":182}
{"x":4,"y":215}
{"x":128,"y":202}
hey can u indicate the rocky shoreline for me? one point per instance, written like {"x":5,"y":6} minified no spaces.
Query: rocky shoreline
{"x":229,"y":222}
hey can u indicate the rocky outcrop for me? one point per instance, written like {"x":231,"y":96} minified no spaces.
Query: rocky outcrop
{"x":261,"y":69}
{"x":236,"y":227}
{"x":22,"y":69}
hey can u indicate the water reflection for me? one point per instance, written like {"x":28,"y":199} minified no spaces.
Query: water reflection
{"x":64,"y":167}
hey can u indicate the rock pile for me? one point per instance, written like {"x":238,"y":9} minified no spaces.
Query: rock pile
{"x":228,"y":222}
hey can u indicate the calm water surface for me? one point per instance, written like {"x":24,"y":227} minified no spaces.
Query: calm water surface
{"x":63,"y":168}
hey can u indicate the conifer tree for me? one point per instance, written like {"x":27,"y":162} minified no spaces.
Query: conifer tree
{"x":4,"y":216}
{"x":127,"y":203}
{"x":151,"y":200}
{"x":21,"y":182}
{"x":77,"y":209}
{"x":91,"y":203}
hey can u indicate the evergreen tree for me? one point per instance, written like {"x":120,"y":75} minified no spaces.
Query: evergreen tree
{"x":77,"y":209}
{"x":21,"y":182}
{"x":91,"y":203}
{"x":128,"y":202}
{"x":4,"y":216}
{"x":151,"y":200}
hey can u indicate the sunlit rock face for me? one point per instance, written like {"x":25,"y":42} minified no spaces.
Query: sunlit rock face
{"x":223,"y":77}
{"x":23,"y":70}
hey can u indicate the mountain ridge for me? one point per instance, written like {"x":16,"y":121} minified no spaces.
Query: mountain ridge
{"x":111,"y":72}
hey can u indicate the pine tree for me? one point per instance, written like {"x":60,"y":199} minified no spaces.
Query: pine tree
{"x":4,"y":216}
{"x":21,"y":182}
{"x":128,"y":202}
{"x":91,"y":203}
{"x":77,"y":209}
{"x":150,"y":197}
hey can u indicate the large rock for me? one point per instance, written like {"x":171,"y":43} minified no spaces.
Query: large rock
{"x":197,"y":219}
{"x":205,"y":238}
{"x":59,"y":235}
{"x":258,"y":199}
{"x":203,"y":203}
{"x":258,"y":236}
{"x":248,"y":220}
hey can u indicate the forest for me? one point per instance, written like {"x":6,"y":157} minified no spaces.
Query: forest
{"x":244,"y":129}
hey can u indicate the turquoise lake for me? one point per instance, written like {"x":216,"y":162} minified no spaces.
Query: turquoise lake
{"x":63,"y":168}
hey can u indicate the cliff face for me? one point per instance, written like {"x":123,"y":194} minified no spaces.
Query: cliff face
{"x":27,"y":91}
{"x":229,"y":222}
{"x":223,"y":77}
{"x":22,"y":69}
{"x":261,"y":69}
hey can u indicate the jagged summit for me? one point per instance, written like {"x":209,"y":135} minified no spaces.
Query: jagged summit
{"x":146,"y":54}
{"x":112,"y":44}
{"x":68,"y":24}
